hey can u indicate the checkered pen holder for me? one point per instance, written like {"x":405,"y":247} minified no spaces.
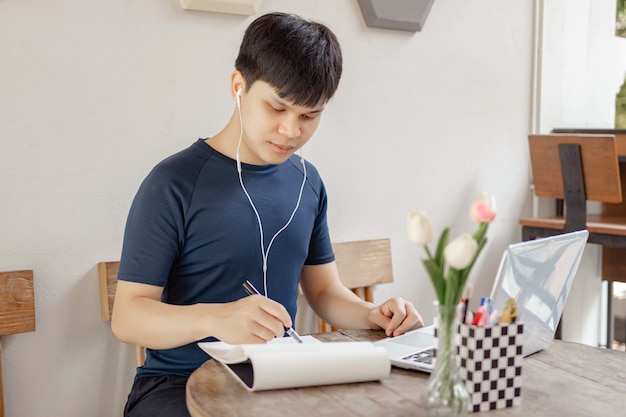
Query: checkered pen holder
{"x":491,"y":364}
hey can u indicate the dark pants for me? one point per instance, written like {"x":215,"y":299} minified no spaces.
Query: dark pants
{"x":162,"y":396}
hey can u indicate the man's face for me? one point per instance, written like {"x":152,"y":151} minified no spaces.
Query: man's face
{"x":274,"y":128}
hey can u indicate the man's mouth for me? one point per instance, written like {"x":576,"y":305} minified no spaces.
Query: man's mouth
{"x":282,"y":148}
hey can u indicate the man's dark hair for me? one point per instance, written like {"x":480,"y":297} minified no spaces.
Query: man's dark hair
{"x":301,"y":59}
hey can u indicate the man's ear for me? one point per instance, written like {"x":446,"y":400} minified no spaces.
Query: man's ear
{"x":237,"y":83}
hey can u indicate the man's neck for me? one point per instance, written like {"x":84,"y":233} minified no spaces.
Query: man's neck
{"x":225,"y":141}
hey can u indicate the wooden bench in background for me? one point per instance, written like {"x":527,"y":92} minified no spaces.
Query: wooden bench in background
{"x":574,"y":168}
{"x":17,"y":310}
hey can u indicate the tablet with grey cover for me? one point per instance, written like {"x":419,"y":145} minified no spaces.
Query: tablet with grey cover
{"x":537,"y":273}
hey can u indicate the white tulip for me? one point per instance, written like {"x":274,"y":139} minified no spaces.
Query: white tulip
{"x":419,"y":228}
{"x":461,"y":251}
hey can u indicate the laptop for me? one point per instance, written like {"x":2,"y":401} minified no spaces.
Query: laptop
{"x":537,"y":273}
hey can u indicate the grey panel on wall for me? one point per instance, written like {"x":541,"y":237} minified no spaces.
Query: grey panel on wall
{"x":407,"y":15}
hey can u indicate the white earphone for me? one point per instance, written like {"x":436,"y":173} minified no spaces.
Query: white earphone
{"x":264,"y":253}
{"x":238,"y":95}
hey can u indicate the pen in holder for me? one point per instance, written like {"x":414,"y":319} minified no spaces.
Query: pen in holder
{"x":491,"y":364}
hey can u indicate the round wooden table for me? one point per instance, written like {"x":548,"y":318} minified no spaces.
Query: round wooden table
{"x":567,"y":379}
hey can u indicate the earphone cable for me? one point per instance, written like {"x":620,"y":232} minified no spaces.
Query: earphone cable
{"x":264,"y":252}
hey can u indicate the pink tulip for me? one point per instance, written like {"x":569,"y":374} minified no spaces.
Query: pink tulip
{"x":483,"y":208}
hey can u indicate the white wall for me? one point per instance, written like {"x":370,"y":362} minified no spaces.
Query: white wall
{"x":93,"y":94}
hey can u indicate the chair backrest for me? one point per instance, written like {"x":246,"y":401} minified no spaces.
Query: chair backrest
{"x":362,"y":265}
{"x":107,"y":277}
{"x":17,"y":310}
{"x":600,"y":167}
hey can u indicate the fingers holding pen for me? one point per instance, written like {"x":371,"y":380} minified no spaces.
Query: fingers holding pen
{"x":253,"y":319}
{"x":265,"y":318}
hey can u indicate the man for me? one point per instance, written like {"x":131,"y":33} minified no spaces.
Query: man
{"x":239,"y":206}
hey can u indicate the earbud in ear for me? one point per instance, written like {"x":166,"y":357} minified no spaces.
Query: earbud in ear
{"x":239,"y":97}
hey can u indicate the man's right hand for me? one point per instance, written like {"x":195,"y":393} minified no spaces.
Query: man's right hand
{"x":253,"y":319}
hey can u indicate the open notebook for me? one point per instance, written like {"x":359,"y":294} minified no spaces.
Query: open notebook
{"x":283,"y":363}
{"x":537,"y":273}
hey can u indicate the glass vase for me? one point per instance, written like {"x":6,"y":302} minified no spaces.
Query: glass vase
{"x":446,"y":394}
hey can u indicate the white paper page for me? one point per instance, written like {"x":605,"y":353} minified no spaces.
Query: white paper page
{"x":287,"y":364}
{"x":228,"y":353}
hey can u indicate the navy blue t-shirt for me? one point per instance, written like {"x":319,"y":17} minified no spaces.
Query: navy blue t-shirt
{"x":192,"y":231}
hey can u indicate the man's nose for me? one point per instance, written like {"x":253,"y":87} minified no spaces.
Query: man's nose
{"x":290,"y":127}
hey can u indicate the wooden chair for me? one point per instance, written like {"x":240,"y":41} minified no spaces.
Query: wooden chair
{"x":574,"y":169}
{"x":107,"y":276}
{"x":17,"y":310}
{"x":362,"y":265}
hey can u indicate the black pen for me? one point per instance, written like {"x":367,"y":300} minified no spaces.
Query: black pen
{"x":468,"y":294}
{"x":290,"y":331}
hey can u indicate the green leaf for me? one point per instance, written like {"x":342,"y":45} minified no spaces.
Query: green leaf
{"x":437,"y":278}
{"x":453,"y":288}
{"x":441,"y":245}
